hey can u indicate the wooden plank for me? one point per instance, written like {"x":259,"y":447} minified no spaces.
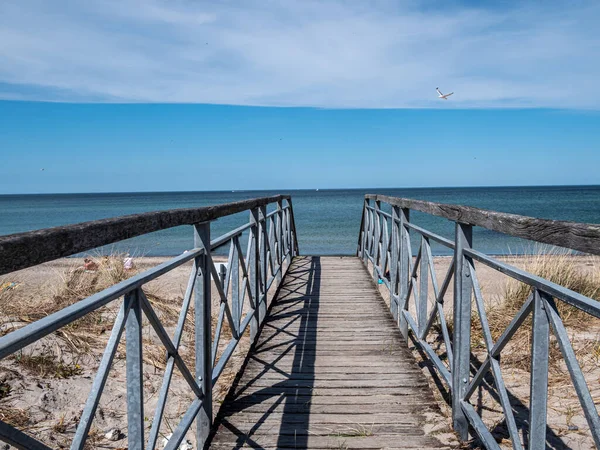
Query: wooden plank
{"x":374,"y":399}
{"x":323,"y":370}
{"x":309,"y":419}
{"x":317,"y":376}
{"x":336,"y":440}
{"x":332,"y":361}
{"x":347,"y":385}
{"x":329,"y":338}
{"x":312,"y":408}
{"x":310,"y":391}
{"x":328,"y":367}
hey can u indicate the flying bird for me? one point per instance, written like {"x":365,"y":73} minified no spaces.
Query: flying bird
{"x":444,"y":96}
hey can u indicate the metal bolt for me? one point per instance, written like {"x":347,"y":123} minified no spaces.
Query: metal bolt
{"x":468,"y":275}
{"x":464,"y":380}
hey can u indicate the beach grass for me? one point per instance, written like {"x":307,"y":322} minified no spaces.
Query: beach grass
{"x":559,"y":266}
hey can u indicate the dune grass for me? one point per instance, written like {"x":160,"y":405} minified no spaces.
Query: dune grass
{"x":559,"y":266}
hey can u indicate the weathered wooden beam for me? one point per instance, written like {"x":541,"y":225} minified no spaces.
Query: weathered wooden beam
{"x":583,"y":237}
{"x":22,"y":250}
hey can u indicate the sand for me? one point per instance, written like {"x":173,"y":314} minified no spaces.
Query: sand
{"x":48,"y":404}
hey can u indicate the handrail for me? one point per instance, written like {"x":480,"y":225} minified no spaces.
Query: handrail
{"x":22,"y":250}
{"x":384,"y":241}
{"x":583,"y":237}
{"x":272,"y":243}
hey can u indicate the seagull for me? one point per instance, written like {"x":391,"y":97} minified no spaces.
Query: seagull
{"x":444,"y":96}
{"x":41,"y":170}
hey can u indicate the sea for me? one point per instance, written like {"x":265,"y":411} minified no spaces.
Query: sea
{"x":327,"y":220}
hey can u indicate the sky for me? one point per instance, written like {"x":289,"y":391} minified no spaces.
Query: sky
{"x":157,"y":95}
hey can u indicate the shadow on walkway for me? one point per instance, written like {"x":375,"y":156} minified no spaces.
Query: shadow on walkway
{"x":285,"y":351}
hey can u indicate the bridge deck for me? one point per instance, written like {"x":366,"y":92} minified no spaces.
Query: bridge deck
{"x":328,"y":370}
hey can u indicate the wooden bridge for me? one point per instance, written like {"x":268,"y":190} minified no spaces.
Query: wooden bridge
{"x":328,"y":370}
{"x":329,"y":366}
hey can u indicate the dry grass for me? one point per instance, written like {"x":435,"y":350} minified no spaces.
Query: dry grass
{"x":47,"y":364}
{"x":354,"y":430}
{"x":68,"y":287}
{"x":7,"y":304}
{"x":60,"y":426}
{"x":74,"y":284}
{"x":558,"y":266}
{"x":561,"y":267}
{"x":93,"y":439}
{"x":16,"y":417}
{"x":89,"y":333}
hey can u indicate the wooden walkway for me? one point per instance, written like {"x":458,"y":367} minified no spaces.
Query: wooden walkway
{"x":328,"y":371}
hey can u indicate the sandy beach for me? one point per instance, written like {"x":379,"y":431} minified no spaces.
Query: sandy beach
{"x":43,"y":388}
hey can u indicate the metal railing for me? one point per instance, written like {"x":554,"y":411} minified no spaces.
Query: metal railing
{"x":384,"y":241}
{"x":271,"y":245}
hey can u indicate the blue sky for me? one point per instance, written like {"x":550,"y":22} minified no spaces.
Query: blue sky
{"x":91,"y":148}
{"x":153,"y":95}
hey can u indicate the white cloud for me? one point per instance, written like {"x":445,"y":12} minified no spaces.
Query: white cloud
{"x":372,"y":54}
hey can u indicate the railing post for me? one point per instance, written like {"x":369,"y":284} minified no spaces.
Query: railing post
{"x":377,"y":223}
{"x":363,"y":232}
{"x":371,"y":231}
{"x":423,"y":287}
{"x":254,"y":274}
{"x":463,"y":289}
{"x":404,"y":270}
{"x":279,"y":234}
{"x":264,"y":273}
{"x":395,"y":254}
{"x":235,"y":285}
{"x":134,"y":366}
{"x":202,"y":319}
{"x":294,"y":238}
{"x":538,"y":407}
{"x":222,"y":274}
{"x":385,"y":245}
{"x":288,"y":233}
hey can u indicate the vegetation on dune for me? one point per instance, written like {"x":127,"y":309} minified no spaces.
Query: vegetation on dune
{"x":559,"y":266}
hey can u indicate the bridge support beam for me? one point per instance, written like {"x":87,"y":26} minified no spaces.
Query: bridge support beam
{"x":540,"y":340}
{"x":294,"y":248}
{"x":463,"y":290}
{"x":279,"y":240}
{"x":263,"y":279}
{"x":405,"y":262}
{"x":134,"y":372}
{"x":253,"y":266}
{"x":363,"y":233}
{"x":395,"y":250}
{"x":202,"y":317}
{"x":376,"y":254}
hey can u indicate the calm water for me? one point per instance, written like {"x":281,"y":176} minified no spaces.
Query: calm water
{"x":327,"y":220}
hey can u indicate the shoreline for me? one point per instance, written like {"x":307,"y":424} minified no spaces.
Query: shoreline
{"x":42,"y":273}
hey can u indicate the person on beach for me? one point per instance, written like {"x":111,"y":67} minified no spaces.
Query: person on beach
{"x":90,"y":265}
